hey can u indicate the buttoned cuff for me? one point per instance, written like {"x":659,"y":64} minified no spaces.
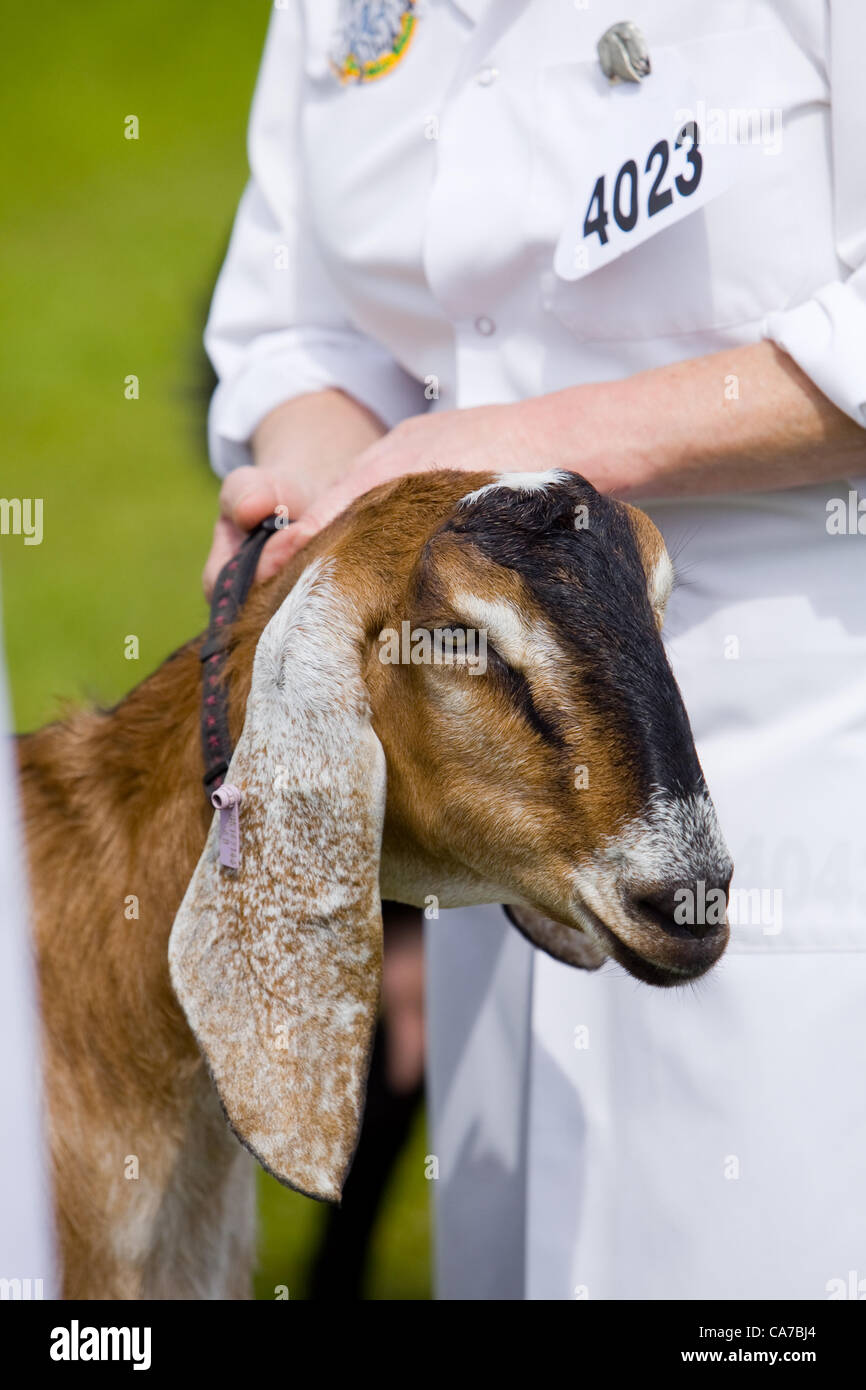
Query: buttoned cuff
{"x":826,"y":336}
{"x":293,"y":364}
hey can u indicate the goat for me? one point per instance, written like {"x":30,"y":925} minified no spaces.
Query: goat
{"x":185,"y":1004}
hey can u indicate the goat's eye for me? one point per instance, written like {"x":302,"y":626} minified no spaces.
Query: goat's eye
{"x":515,"y":685}
{"x":450,"y":645}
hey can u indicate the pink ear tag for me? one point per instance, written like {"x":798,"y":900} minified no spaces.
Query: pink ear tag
{"x":227,"y":799}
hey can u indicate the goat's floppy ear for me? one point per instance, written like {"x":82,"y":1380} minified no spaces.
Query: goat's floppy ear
{"x":566,"y":944}
{"x":278,"y":964}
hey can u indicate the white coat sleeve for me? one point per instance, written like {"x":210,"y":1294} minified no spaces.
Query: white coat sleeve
{"x":826,"y":335}
{"x":277,"y":328}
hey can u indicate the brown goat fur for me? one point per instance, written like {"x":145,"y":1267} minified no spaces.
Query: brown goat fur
{"x":113,"y":807}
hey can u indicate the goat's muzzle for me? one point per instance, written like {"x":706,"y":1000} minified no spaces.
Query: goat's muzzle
{"x":656,"y":899}
{"x":677,"y":932}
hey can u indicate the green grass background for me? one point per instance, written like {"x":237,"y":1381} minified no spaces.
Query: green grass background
{"x":109,"y":252}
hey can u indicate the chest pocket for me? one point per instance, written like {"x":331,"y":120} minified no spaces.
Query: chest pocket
{"x":763,"y":244}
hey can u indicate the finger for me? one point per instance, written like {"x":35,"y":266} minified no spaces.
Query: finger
{"x":323,"y":511}
{"x":374,"y":466}
{"x":247,"y":496}
{"x":275,"y":554}
{"x":226,"y":539}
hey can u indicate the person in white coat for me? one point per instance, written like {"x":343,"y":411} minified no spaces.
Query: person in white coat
{"x":463,"y":245}
{"x":27,"y":1254}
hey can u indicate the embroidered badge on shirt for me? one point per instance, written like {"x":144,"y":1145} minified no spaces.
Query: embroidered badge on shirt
{"x":374,"y":35}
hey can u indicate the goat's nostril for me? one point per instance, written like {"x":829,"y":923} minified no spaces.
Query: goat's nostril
{"x":693,"y":909}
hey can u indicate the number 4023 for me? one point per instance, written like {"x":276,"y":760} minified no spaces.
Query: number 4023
{"x":625,"y":188}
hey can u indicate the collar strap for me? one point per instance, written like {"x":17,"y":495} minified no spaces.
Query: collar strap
{"x":230,"y":591}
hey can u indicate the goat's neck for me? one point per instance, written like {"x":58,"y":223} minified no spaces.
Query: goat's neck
{"x":116,"y":819}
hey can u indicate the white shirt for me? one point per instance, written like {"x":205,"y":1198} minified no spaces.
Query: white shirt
{"x":405,"y":228}
{"x":398,"y":238}
{"x":418,"y":216}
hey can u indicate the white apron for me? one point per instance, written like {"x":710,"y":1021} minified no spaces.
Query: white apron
{"x":708,"y":1142}
{"x":403,"y":239}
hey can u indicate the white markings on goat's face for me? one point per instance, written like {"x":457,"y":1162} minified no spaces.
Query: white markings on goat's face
{"x":516,"y":482}
{"x":455,"y":645}
{"x":483,"y":801}
{"x":524,"y":645}
{"x":678,"y":838}
{"x":632,"y":885}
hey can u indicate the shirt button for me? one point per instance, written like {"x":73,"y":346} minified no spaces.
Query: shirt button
{"x":485,"y":326}
{"x":486,"y":76}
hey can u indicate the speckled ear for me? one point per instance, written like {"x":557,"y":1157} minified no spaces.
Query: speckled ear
{"x":277,"y":964}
